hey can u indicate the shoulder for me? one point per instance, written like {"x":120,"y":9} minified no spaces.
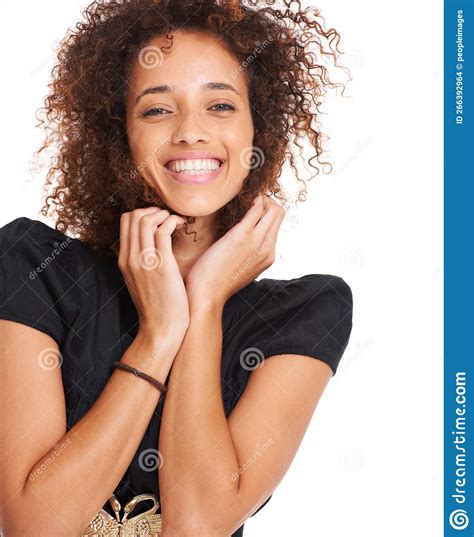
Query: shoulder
{"x":310,"y":315}
{"x":24,"y":233}
{"x":331,"y":289}
{"x":37,"y":274}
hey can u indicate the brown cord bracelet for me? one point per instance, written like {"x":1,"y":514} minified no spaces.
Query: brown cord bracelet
{"x":139,"y":373}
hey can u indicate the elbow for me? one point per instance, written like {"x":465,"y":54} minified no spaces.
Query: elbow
{"x":20,"y":518}
{"x":19,"y":526}
{"x":199,"y":525}
{"x":190,"y":528}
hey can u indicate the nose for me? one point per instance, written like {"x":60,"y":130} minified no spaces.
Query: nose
{"x":190,"y":128}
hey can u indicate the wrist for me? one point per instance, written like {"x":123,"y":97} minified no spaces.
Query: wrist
{"x":205,"y":306}
{"x":158,"y":340}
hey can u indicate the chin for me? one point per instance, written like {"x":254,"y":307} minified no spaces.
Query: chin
{"x":194,"y":207}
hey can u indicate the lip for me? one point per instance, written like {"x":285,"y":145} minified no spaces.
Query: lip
{"x":200,"y":179}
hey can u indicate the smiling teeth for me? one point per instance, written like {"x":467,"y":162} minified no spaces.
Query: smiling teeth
{"x":194,"y":167}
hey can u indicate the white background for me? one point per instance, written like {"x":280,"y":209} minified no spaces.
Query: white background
{"x":371,"y":461}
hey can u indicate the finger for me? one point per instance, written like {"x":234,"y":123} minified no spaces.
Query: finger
{"x":163,"y":234}
{"x":269,"y":242}
{"x":148,"y":225}
{"x":124,"y":231}
{"x":274,"y":212}
{"x":253,"y":215}
{"x":134,"y":230}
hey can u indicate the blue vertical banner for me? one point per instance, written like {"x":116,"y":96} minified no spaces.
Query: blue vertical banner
{"x":458,"y":268}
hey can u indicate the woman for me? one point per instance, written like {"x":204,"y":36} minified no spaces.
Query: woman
{"x":172,"y":121}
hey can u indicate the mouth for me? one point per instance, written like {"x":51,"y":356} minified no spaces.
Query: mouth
{"x":198,"y":171}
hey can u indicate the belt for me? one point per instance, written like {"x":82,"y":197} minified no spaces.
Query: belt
{"x":145,"y":524}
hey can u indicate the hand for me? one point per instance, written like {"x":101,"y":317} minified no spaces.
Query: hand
{"x":237,"y":258}
{"x":151,"y":272}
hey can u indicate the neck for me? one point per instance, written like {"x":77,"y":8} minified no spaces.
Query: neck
{"x":185,"y":249}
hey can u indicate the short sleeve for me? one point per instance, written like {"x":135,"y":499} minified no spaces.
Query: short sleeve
{"x":35,"y":277}
{"x":310,"y":315}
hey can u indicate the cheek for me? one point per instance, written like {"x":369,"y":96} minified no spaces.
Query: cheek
{"x":240,"y":144}
{"x":142,"y":145}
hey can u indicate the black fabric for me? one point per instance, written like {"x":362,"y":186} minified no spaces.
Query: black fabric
{"x":57,"y":285}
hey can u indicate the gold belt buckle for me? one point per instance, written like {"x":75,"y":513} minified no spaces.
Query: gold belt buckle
{"x":145,"y":524}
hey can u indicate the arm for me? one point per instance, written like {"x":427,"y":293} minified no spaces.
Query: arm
{"x":203,"y":488}
{"x":53,"y":481}
{"x":208,"y":485}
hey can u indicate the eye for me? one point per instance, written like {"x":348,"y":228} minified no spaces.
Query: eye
{"x":151,"y":111}
{"x":229,"y":107}
{"x":161,"y":111}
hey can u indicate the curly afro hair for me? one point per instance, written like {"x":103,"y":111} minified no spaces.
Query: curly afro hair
{"x":84,"y":112}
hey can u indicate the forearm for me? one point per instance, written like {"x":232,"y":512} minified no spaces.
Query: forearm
{"x":199,"y":459}
{"x":67,"y":487}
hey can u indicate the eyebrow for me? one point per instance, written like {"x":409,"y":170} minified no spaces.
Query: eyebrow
{"x":164,"y":88}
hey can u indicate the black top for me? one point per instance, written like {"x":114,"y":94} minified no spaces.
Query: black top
{"x":56,"y":284}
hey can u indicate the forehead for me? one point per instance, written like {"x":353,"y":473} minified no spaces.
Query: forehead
{"x":194,"y":59}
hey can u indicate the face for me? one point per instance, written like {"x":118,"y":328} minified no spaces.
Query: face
{"x":189,"y":123}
